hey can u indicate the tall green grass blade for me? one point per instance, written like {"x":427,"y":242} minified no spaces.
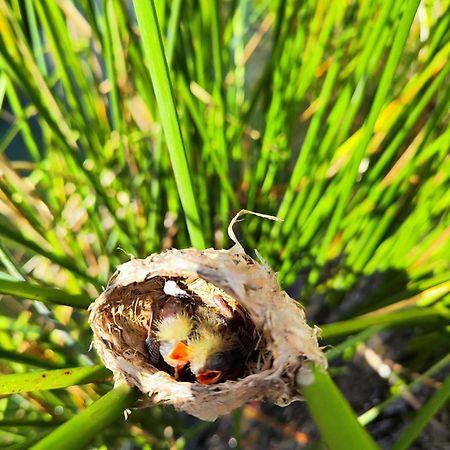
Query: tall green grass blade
{"x":28,"y":423}
{"x":174,"y":23}
{"x":22,"y":121}
{"x":38,"y":49}
{"x":159,"y":72}
{"x":352,"y":341}
{"x":13,"y":270}
{"x":335,"y":419}
{"x":427,"y":411}
{"x":51,"y":379}
{"x":409,"y":12}
{"x":301,"y":166}
{"x":3,"y":82}
{"x":82,"y":429}
{"x":54,"y":296}
{"x":109,"y":25}
{"x":402,"y":318}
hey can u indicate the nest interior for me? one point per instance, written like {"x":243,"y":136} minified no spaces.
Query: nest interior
{"x":130,"y":314}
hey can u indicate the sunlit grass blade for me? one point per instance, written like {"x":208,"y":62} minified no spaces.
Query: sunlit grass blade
{"x":30,"y":423}
{"x":388,"y":74}
{"x":51,"y":379}
{"x":82,"y":429}
{"x":154,"y":51}
{"x":54,"y":296}
{"x":335,"y":419}
{"x":402,"y":318}
{"x":352,"y":341}
{"x":427,"y":411}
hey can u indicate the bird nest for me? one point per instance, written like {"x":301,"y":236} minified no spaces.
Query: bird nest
{"x":278,"y":341}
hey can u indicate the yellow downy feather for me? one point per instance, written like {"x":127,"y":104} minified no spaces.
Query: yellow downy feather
{"x":176,"y":328}
{"x":205,"y":344}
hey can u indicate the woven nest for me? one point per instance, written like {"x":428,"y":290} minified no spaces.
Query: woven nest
{"x":281,"y":339}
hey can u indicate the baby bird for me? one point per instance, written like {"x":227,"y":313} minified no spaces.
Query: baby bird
{"x":217,"y":351}
{"x":168,"y":332}
{"x":210,"y":357}
{"x":172,"y":332}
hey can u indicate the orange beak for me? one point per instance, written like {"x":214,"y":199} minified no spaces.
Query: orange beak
{"x":209,"y":376}
{"x":180,"y":354}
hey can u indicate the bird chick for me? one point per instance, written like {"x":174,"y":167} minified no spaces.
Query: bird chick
{"x":168,"y":331}
{"x":209,"y":360}
{"x":216,"y":352}
{"x":172,"y":333}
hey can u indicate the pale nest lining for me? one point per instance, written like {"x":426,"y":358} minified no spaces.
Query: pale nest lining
{"x":120,"y":315}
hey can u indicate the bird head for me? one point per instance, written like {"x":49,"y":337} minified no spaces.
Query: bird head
{"x":172,"y":333}
{"x":211,"y":355}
